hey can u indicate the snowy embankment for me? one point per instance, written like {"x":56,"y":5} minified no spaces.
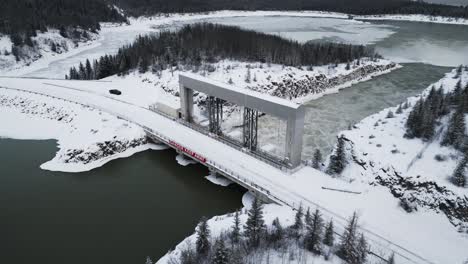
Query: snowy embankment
{"x":416,"y":172}
{"x":87,"y":138}
{"x":50,"y":46}
{"x":416,"y":18}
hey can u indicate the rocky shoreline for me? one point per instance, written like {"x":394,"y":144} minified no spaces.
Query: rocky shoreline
{"x":101,"y":150}
{"x":292,"y":88}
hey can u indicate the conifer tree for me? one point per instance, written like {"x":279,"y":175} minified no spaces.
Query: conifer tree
{"x":458,"y":72}
{"x":427,"y":122}
{"x":329,"y":238}
{"x":317,"y":159}
{"x":459,"y":176}
{"x":143,"y":65}
{"x":362,"y":249}
{"x":298,"y":223}
{"x":422,"y":119}
{"x":455,"y":134}
{"x":390,"y":114}
{"x":313,"y":238}
{"x":338,"y":159}
{"x":235,"y":234}
{"x":203,"y":237}
{"x":82,"y":72}
{"x":464,"y":101}
{"x":255,"y":226}
{"x":457,"y":92}
{"x":307,"y":217}
{"x":399,"y":110}
{"x":391,"y":259}
{"x":278,"y":231}
{"x":89,"y":71}
{"x":221,"y":254}
{"x":347,"y":249}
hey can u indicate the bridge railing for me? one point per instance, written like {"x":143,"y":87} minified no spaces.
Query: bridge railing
{"x":258,"y":154}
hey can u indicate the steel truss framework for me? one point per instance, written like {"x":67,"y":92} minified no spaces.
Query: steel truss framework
{"x":254,"y":103}
{"x":250,"y":128}
{"x":215,"y":114}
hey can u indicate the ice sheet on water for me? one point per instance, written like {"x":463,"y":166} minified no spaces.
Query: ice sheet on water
{"x":305,"y":29}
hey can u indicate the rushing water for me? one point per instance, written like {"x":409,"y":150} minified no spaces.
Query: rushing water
{"x":333,"y":113}
{"x":146,"y":204}
{"x":120,"y":213}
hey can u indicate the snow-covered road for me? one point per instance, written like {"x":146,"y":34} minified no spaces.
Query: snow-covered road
{"x":301,"y":187}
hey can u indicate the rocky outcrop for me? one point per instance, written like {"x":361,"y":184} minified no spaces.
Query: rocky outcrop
{"x":414,"y":194}
{"x":290,"y":87}
{"x":101,"y":150}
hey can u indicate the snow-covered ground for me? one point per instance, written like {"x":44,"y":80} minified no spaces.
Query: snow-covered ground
{"x":380,"y":149}
{"x":87,"y":138}
{"x":51,"y":46}
{"x":417,"y":18}
{"x":427,"y":234}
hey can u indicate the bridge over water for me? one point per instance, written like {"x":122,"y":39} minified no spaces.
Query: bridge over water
{"x":261,"y":175}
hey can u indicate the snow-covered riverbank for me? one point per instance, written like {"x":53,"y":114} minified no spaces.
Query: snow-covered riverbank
{"x":87,"y":138}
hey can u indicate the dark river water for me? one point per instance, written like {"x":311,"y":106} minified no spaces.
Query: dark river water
{"x":120,"y":213}
{"x":144,"y":205}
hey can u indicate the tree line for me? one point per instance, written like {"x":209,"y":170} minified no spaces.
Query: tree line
{"x":22,"y":18}
{"x":426,"y":115}
{"x":359,"y":7}
{"x":254,"y":241}
{"x":205,"y":42}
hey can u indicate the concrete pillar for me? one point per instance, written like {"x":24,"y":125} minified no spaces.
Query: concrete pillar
{"x":294,"y":136}
{"x":186,"y":102}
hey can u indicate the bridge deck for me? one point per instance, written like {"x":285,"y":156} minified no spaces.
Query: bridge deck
{"x":301,"y":187}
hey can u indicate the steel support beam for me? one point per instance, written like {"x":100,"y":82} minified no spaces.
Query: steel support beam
{"x":250,"y":128}
{"x":215,"y":114}
{"x":253,"y":102}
